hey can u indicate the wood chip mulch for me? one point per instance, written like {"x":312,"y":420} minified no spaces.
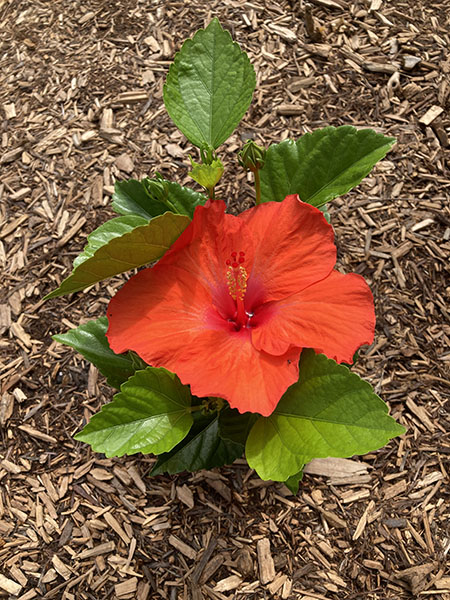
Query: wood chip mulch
{"x":81,"y":106}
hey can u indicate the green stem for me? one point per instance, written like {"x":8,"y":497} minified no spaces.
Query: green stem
{"x":257,"y":187}
{"x":211,"y":193}
{"x":195,"y":408}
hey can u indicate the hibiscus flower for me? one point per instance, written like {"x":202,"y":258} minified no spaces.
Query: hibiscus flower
{"x":231,"y":305}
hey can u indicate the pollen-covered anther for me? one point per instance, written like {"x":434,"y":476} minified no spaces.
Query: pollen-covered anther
{"x":236,"y":276}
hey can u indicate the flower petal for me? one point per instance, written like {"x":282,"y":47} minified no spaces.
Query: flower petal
{"x":166,"y":316}
{"x":294,"y":247}
{"x":334,"y":316}
{"x":208,"y":242}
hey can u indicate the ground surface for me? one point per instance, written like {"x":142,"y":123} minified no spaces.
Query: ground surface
{"x":75,"y":525}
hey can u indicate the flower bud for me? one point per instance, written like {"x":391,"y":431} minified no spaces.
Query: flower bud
{"x":156,"y":187}
{"x":252,"y":156}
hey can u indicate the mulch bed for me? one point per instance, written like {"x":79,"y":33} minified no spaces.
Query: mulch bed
{"x":81,"y":106}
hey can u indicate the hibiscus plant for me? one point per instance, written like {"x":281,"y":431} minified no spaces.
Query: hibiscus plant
{"x":239,"y":334}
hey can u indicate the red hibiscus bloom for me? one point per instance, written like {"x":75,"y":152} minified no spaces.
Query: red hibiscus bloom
{"x":231,"y":305}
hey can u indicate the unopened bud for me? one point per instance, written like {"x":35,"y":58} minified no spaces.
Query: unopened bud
{"x":252,"y":156}
{"x":156,"y":187}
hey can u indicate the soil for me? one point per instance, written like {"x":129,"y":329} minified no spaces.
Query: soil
{"x":75,"y":525}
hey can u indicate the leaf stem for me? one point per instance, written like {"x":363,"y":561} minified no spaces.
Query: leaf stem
{"x":211,"y":193}
{"x":195,"y":408}
{"x":257,"y":187}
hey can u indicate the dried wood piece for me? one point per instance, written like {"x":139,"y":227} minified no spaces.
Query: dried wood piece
{"x":88,"y":136}
{"x":220,"y":487}
{"x":265,"y":561}
{"x":290,"y":109}
{"x":115,"y":525}
{"x":18,"y":575}
{"x":61,"y":568}
{"x":339,"y":4}
{"x":107,"y":119}
{"x":126,"y":587}
{"x":131,"y":97}
{"x":10,"y":586}
{"x":115,"y":136}
{"x":299,"y":83}
{"x":375,"y":5}
{"x":422,"y":224}
{"x":210,"y":568}
{"x":421,"y":413}
{"x":86,"y":17}
{"x":10,"y":110}
{"x":409,"y":61}
{"x":276,"y":584}
{"x":175,"y":150}
{"x":363,"y":521}
{"x":124,"y":162}
{"x":28,"y":595}
{"x":96,"y":551}
{"x":283,"y":32}
{"x":379,"y":67}
{"x":354,"y":495}
{"x":185,"y":495}
{"x":229,"y":583}
{"x":287,"y":588}
{"x":395,"y":489}
{"x":13,"y":225}
{"x":6,"y":407}
{"x":10,"y":467}
{"x":432,"y":113}
{"x":323,"y":50}
{"x":182,"y":547}
{"x":136,"y":478}
{"x":11,"y":155}
{"x":335,"y":467}
{"x":38,"y":434}
{"x":311,"y":27}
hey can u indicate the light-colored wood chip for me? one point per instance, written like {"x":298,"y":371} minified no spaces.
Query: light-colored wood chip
{"x":265,"y":561}
{"x":185,"y":495}
{"x":61,"y":568}
{"x":127,"y":587}
{"x":38,"y":434}
{"x":10,"y":586}
{"x":432,"y":113}
{"x":182,"y":547}
{"x":229,"y":583}
{"x":97,"y":550}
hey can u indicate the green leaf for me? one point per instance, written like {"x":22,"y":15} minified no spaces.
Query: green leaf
{"x":235,"y":426}
{"x":132,"y":198}
{"x":207,"y":175}
{"x":293,"y":482}
{"x":90,"y":340}
{"x":321,"y":165}
{"x":209,"y":86}
{"x":112,"y":229}
{"x":183,"y":199}
{"x":202,"y":448}
{"x":124,"y":248}
{"x":328,"y":412}
{"x":150,"y":414}
{"x":152,"y":197}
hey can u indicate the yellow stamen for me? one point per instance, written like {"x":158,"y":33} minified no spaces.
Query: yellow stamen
{"x":237,"y":282}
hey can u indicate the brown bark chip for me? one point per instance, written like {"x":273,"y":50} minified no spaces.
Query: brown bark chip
{"x":265,"y":561}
